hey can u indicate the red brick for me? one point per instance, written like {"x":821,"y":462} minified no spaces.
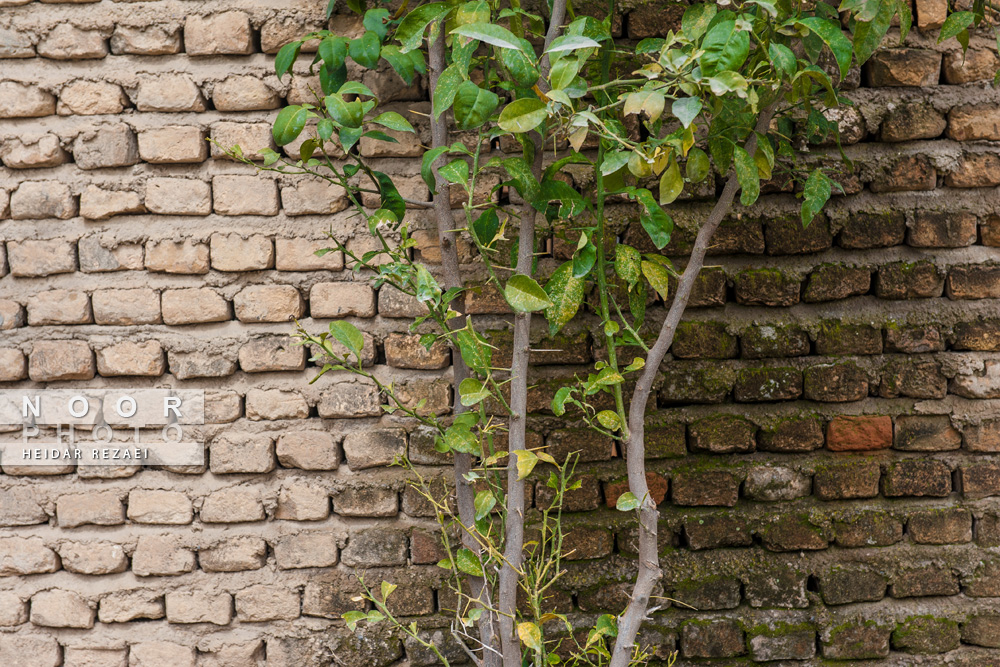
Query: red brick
{"x":657,"y":488}
{"x":863,"y":433}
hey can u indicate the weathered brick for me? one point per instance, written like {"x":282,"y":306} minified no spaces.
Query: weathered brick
{"x":872,"y":230}
{"x":13,"y":365}
{"x":173,"y":144}
{"x":67,"y":42}
{"x":307,"y":196}
{"x":942,"y":230}
{"x":350,"y":398}
{"x":981,"y":335}
{"x":18,"y":100}
{"x":766,"y":287}
{"x":975,"y":170}
{"x":274,"y":353}
{"x":905,"y":280}
{"x":236,"y":554}
{"x":320,"y":549}
{"x":982,"y":437}
{"x":157,"y":506}
{"x":705,"y":489}
{"x":268,"y":303}
{"x":51,"y":361}
{"x":846,"y":481}
{"x":982,"y":629}
{"x":831,"y":282}
{"x":250,"y":137}
{"x":835,"y":383}
{"x":131,"y":359}
{"x":373,"y":448}
{"x":125,"y":307}
{"x":222,"y":407}
{"x":30,"y":650}
{"x":200,"y":364}
{"x":978,"y":384}
{"x":100,"y":204}
{"x":973,"y":282}
{"x":233,"y":252}
{"x":703,"y":340}
{"x":299,"y":254}
{"x":33,"y":152}
{"x":974,"y":123}
{"x":722,"y":434}
{"x":199,"y":607}
{"x":59,"y":307}
{"x":782,"y":644}
{"x":904,"y":67}
{"x":868,"y":529}
{"x":722,"y":638}
{"x":945,"y":526}
{"x":41,"y":199}
{"x":150,"y":40}
{"x":13,"y":609}
{"x":242,"y":453}
{"x":909,"y":122}
{"x":916,"y":477}
{"x":786,"y":235}
{"x":61,"y":609}
{"x":106,"y":146}
{"x":178,"y":196}
{"x":845,"y":585}
{"x":93,"y":557}
{"x":792,"y":532}
{"x":26,"y":555}
{"x":375,"y":547}
{"x":916,"y":378}
{"x":838,"y":338}
{"x":766,"y":341}
{"x":341,"y":299}
{"x":271,"y":404}
{"x":847,"y":433}
{"x":926,"y":635}
{"x":926,"y":433}
{"x":302,"y":502}
{"x":716,"y":531}
{"x":406,"y":351}
{"x":223,"y":33}
{"x":262,"y":603}
{"x":161,"y":555}
{"x":244,"y":195}
{"x":914,"y":339}
{"x":160,"y":654}
{"x":588,"y":445}
{"x":981,"y":480}
{"x":859,"y":640}
{"x":16,"y":44}
{"x":90,"y":98}
{"x":367,"y":501}
{"x":193,"y":306}
{"x":915,"y":172}
{"x":244,"y":93}
{"x":99,"y":508}
{"x":20,"y":507}
{"x":973,"y":65}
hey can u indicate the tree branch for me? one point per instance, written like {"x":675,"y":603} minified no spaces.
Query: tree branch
{"x":635,"y":448}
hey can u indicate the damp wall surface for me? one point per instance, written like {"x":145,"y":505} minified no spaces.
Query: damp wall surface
{"x":823,"y":438}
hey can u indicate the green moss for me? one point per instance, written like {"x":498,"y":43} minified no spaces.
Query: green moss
{"x":778,"y":629}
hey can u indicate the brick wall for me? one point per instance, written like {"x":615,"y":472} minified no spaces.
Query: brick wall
{"x":823,"y":438}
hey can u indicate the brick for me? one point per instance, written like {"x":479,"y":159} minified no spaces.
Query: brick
{"x":350,"y":399}
{"x":262,"y":603}
{"x":930,"y":14}
{"x":847,"y":433}
{"x":99,"y":508}
{"x":59,"y":307}
{"x":341,"y":299}
{"x":926,"y":635}
{"x":705,"y":489}
{"x":721,"y":638}
{"x":836,"y":338}
{"x":907,"y":173}
{"x":867,"y":529}
{"x":406,"y":351}
{"x":847,"y":481}
{"x":272,"y":404}
{"x":776,"y":588}
{"x":18,"y":650}
{"x":169,"y":93}
{"x":13,"y":365}
{"x":160,"y":555}
{"x":161,"y":507}
{"x":250,"y":137}
{"x":106,"y":146}
{"x":33,"y":152}
{"x":973,"y":65}
{"x":268,"y":303}
{"x":16,"y":44}
{"x":19,"y":507}
{"x":914,"y":339}
{"x":915,"y":477}
{"x":982,"y":630}
{"x":588,"y":445}
{"x":182,"y":257}
{"x":792,"y":435}
{"x":980,"y":481}
{"x":232,"y":252}
{"x":319,"y":549}
{"x":100,"y":204}
{"x":905,"y":280}
{"x":131,"y":359}
{"x":985,"y":384}
{"x":160,"y":654}
{"x":244,"y":195}
{"x":67,"y":42}
{"x":722,"y":434}
{"x":373,"y":448}
{"x":26,"y":555}
{"x":308,"y":450}
{"x":126,"y":307}
{"x":946,"y":526}
{"x":313,"y":196}
{"x":331,"y":597}
{"x":178,"y":196}
{"x":95,"y":657}
{"x":790,"y":645}
{"x":154,"y":40}
{"x":982,"y":437}
{"x":872,"y":230}
{"x":980,"y":335}
{"x":926,"y":433}
{"x":281,"y":30}
{"x":975,"y":170}
{"x":974,"y":123}
{"x":832,"y":282}
{"x":942,"y":230}
{"x":904,"y":67}
{"x":656,"y":482}
{"x":222,"y":407}
{"x":909,"y":122}
{"x":274,"y":353}
{"x":61,"y":609}
{"x":985,"y":582}
{"x":227,"y":33}
{"x":695,"y":384}
{"x":173,"y":144}
{"x":90,"y":98}
{"x":916,"y":378}
{"x":242,"y":453}
{"x":199,"y":364}
{"x":41,"y":199}
{"x":717,"y":592}
{"x":973,"y":282}
{"x":18,"y":100}
{"x":244,"y":93}
{"x":13,"y":609}
{"x":93,"y":557}
{"x":761,"y":342}
{"x":846,"y":585}
{"x":199,"y":607}
{"x":298,"y":254}
{"x":51,"y":361}
{"x":193,"y":306}
{"x":766,"y":287}
{"x":835,"y":383}
{"x":859,"y":640}
{"x":791,"y":532}
{"x":587,"y":543}
{"x":786,"y":236}
{"x":703,"y":340}
{"x":717,"y":531}
{"x":375,"y":547}
{"x":302,"y":502}
{"x":236,"y":554}
{"x":366,"y":501}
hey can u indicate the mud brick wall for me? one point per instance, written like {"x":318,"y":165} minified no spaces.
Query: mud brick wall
{"x":824,"y":436}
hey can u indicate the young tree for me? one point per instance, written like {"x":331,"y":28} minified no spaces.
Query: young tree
{"x":737,"y":90}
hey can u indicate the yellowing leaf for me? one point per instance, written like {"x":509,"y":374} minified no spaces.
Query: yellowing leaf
{"x":671,"y":184}
{"x":526,"y":462}
{"x":531,"y":635}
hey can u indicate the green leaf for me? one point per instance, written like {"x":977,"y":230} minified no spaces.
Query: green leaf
{"x":686,"y":109}
{"x":627,"y":502}
{"x":286,"y":58}
{"x":484,"y":503}
{"x":725,"y":48}
{"x":815,"y":194}
{"x":523,"y":115}
{"x":531,"y":635}
{"x":289,"y":124}
{"x":725,"y":82}
{"x":955,"y":24}
{"x":352,"y":618}
{"x":698,"y":165}
{"x":746,"y":174}
{"x":447,"y":85}
{"x":559,"y":401}
{"x":571,"y":43}
{"x":456,"y":171}
{"x":349,"y":336}
{"x":584,"y":259}
{"x":627,"y":261}
{"x":393,"y":121}
{"x":783,"y":58}
{"x":476,"y":354}
{"x":566,"y":294}
{"x":609,"y":419}
{"x":654,"y":219}
{"x":671,"y":183}
{"x":486,"y":226}
{"x":468,"y":562}
{"x":607,"y":625}
{"x":333,"y":51}
{"x":402,"y":63}
{"x":387,"y":590}
{"x":521,"y":64}
{"x":490,"y":33}
{"x":410,"y":31}
{"x":614,"y":161}
{"x":650,"y":102}
{"x":458,"y":437}
{"x":831,"y":34}
{"x":349,"y":114}
{"x":905,"y":19}
{"x":868,"y":35}
{"x":472,"y":12}
{"x":365,"y":50}
{"x":524,"y":295}
{"x":473,"y":105}
{"x":472,"y":392}
{"x":526,"y":462}
{"x":426,"y":166}
{"x":376,"y":20}
{"x":697,"y":18}
{"x":658,"y":277}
